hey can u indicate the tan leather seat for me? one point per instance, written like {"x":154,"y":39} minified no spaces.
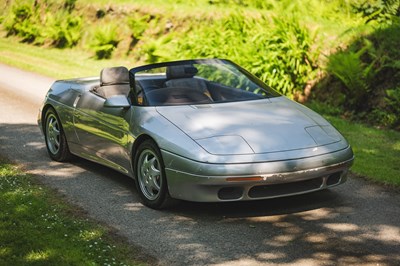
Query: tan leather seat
{"x":113,"y":81}
{"x":183,"y":77}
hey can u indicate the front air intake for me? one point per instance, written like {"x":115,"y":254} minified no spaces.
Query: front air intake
{"x":230,"y":193}
{"x":285,"y":188}
{"x":334,"y":179}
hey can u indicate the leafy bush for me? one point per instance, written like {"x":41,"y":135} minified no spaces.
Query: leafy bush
{"x":381,"y":11}
{"x":105,"y":40}
{"x":393,"y":105}
{"x":56,"y":28}
{"x":62,"y":30}
{"x":355,"y":74}
{"x":156,"y":50}
{"x":21,"y":21}
{"x":279,"y":53}
{"x":369,"y":73}
{"x":138,"y":25}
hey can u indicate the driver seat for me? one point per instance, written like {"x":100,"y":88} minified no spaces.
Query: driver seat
{"x":113,"y":81}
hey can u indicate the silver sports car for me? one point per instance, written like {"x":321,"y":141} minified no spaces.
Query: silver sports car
{"x":198,"y":130}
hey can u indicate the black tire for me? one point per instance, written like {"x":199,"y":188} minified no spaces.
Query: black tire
{"x":56,"y":143}
{"x":150,"y":178}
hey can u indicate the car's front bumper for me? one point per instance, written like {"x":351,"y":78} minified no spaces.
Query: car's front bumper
{"x":205,"y":182}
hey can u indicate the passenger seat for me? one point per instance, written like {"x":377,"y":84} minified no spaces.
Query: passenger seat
{"x":183,"y":77}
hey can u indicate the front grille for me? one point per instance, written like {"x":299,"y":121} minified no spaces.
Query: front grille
{"x":286,"y":188}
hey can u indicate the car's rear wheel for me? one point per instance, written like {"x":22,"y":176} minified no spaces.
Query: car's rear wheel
{"x":150,"y":178}
{"x":56,"y":143}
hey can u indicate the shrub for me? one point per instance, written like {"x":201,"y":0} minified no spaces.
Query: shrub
{"x":138,"y":25}
{"x":58,"y":27}
{"x":382,"y":11}
{"x":105,"y":40}
{"x":355,"y":75}
{"x":369,"y":73}
{"x":62,"y":30}
{"x":392,"y":100}
{"x":279,"y":53}
{"x":21,"y":21}
{"x":156,"y":51}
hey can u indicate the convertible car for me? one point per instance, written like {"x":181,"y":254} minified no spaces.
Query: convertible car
{"x":198,"y":130}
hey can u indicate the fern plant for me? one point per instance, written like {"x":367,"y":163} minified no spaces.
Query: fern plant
{"x":105,"y":40}
{"x":22,"y":22}
{"x":279,"y":53}
{"x":62,"y":30}
{"x":138,"y":25}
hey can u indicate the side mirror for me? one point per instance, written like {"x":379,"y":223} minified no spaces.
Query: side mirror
{"x":117,"y":101}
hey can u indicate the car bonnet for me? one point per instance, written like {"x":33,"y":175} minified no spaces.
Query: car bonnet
{"x":251,"y":127}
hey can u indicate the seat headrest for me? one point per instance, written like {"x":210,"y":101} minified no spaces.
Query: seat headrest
{"x":179,"y":72}
{"x":114,"y":75}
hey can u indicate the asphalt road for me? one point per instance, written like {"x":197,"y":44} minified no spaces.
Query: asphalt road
{"x":357,"y":223}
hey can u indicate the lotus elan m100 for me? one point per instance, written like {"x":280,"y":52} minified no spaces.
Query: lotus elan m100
{"x":199,"y":130}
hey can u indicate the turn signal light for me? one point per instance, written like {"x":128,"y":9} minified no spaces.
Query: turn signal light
{"x":239,"y":179}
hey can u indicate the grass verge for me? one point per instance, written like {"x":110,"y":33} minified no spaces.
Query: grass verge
{"x":38,"y":228}
{"x":52,"y":62}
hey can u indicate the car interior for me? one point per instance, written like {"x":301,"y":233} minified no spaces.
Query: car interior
{"x":178,"y":86}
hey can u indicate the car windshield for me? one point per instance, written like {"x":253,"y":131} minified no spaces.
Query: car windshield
{"x":193,"y":82}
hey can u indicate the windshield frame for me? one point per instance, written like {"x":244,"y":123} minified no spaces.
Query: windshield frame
{"x":269,"y":92}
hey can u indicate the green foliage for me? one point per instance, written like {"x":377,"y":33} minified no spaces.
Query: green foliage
{"x":368,"y":70}
{"x":41,"y":24}
{"x":279,"y":53}
{"x":355,"y":75}
{"x":138,"y":25}
{"x":105,"y":40}
{"x":259,"y":4}
{"x":69,"y":5}
{"x":155,"y":51}
{"x":381,"y":11}
{"x":21,"y":21}
{"x":62,"y":30}
{"x":392,"y":99}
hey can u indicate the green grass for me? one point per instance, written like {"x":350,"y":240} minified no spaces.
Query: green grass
{"x":38,"y":228}
{"x":377,"y":151}
{"x":52,"y":62}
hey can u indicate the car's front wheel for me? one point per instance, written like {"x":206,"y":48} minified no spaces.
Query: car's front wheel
{"x":150,"y":178}
{"x":56,"y":142}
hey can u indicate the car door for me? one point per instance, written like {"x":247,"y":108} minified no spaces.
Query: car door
{"x":103,"y":132}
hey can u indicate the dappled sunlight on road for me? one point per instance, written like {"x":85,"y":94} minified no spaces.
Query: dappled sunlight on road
{"x":345,"y":225}
{"x":320,"y":228}
{"x":133,"y":206}
{"x":58,"y":171}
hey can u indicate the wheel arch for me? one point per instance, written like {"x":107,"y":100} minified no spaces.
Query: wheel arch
{"x":139,"y":140}
{"x":43,"y":114}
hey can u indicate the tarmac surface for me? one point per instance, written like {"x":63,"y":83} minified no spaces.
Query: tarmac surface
{"x":357,"y":223}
